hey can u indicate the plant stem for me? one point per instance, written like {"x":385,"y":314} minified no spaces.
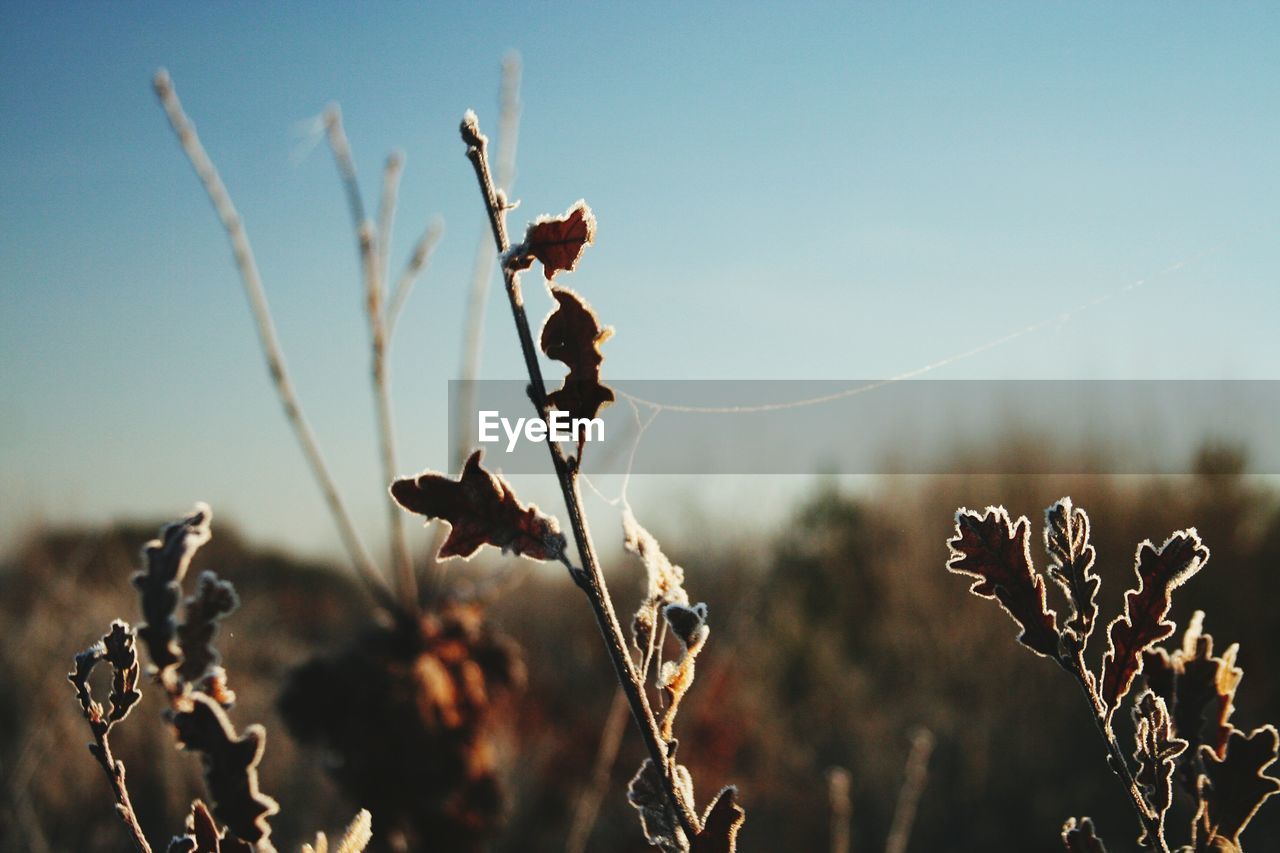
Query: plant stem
{"x":588,"y":809}
{"x":593,"y":582}
{"x":482,"y":268}
{"x":914,"y":778}
{"x":115,"y":775}
{"x":1119,"y":765}
{"x":249,"y":276}
{"x":368,"y":243}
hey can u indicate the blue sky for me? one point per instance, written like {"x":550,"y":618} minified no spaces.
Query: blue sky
{"x":825,"y":192}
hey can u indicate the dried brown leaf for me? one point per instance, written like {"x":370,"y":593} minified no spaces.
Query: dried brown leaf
{"x":1233,"y":788}
{"x":117,"y":648}
{"x":1142,"y":624}
{"x":572,"y":334}
{"x":665,"y":579}
{"x":165,"y":562}
{"x":230,"y":764}
{"x":1157,"y":753}
{"x":996,"y":551}
{"x":481,"y":509}
{"x":689,"y":626}
{"x":1199,"y":689}
{"x":556,"y":241}
{"x":720,"y":824}
{"x":647,"y":795}
{"x":1066,"y":538}
{"x":212,"y":600}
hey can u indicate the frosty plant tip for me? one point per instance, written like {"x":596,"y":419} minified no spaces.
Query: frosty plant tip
{"x":559,"y":426}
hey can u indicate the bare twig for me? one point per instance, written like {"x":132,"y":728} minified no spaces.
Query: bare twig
{"x":839,"y":783}
{"x":1116,"y":759}
{"x":914,"y":777}
{"x":588,"y":808}
{"x":249,"y":276}
{"x":369,"y":244}
{"x":117,"y":648}
{"x":387,"y":211}
{"x":417,"y":263}
{"x":590,"y":578}
{"x":482,"y":270}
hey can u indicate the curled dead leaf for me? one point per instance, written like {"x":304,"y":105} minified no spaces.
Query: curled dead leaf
{"x":481,"y":509}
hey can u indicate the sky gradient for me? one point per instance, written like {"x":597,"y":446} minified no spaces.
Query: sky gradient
{"x":827,"y":192}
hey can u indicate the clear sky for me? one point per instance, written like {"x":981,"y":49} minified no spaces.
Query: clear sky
{"x":822,"y":192}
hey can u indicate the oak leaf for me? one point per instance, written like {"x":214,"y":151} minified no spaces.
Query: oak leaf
{"x":1199,"y":689}
{"x":1142,"y":624}
{"x":573,"y":334}
{"x":481,"y":509}
{"x":1066,"y":538}
{"x":230,"y":766}
{"x":202,"y":611}
{"x":1233,"y":788}
{"x":165,"y":562}
{"x":1157,"y":752}
{"x":556,"y":241}
{"x":996,"y":551}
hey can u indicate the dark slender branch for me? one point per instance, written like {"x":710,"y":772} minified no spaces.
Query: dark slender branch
{"x":597,"y":592}
{"x":1115,"y":755}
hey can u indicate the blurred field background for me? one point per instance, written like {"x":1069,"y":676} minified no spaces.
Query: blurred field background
{"x":819,"y":193}
{"x":832,"y":642}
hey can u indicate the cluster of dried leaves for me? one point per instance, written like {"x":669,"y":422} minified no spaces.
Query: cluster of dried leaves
{"x":1183,"y":731}
{"x":482,"y":509}
{"x":187,"y":666}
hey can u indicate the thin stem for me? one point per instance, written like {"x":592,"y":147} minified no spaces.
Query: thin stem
{"x":387,"y":211}
{"x":839,"y":781}
{"x":588,"y":809}
{"x":248,"y":269}
{"x":482,"y":270}
{"x":917,"y":772}
{"x":368,"y":242}
{"x":1115,"y":755}
{"x":114,"y":768}
{"x":414,"y":268}
{"x":593,"y":582}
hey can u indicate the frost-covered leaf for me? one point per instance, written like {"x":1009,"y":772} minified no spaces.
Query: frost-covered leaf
{"x":647,"y":795}
{"x":720,"y":824}
{"x":481,"y":510}
{"x":117,"y":648}
{"x":119,"y":651}
{"x":1079,"y":837}
{"x":1157,"y":753}
{"x":1233,"y":788}
{"x":665,"y":579}
{"x":230,"y":764}
{"x":1199,"y":689}
{"x":1142,"y":624}
{"x":573,"y":334}
{"x":1066,"y":538}
{"x":689,"y":626}
{"x":165,"y":562}
{"x":996,"y":551}
{"x":212,"y":600}
{"x":556,"y":241}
